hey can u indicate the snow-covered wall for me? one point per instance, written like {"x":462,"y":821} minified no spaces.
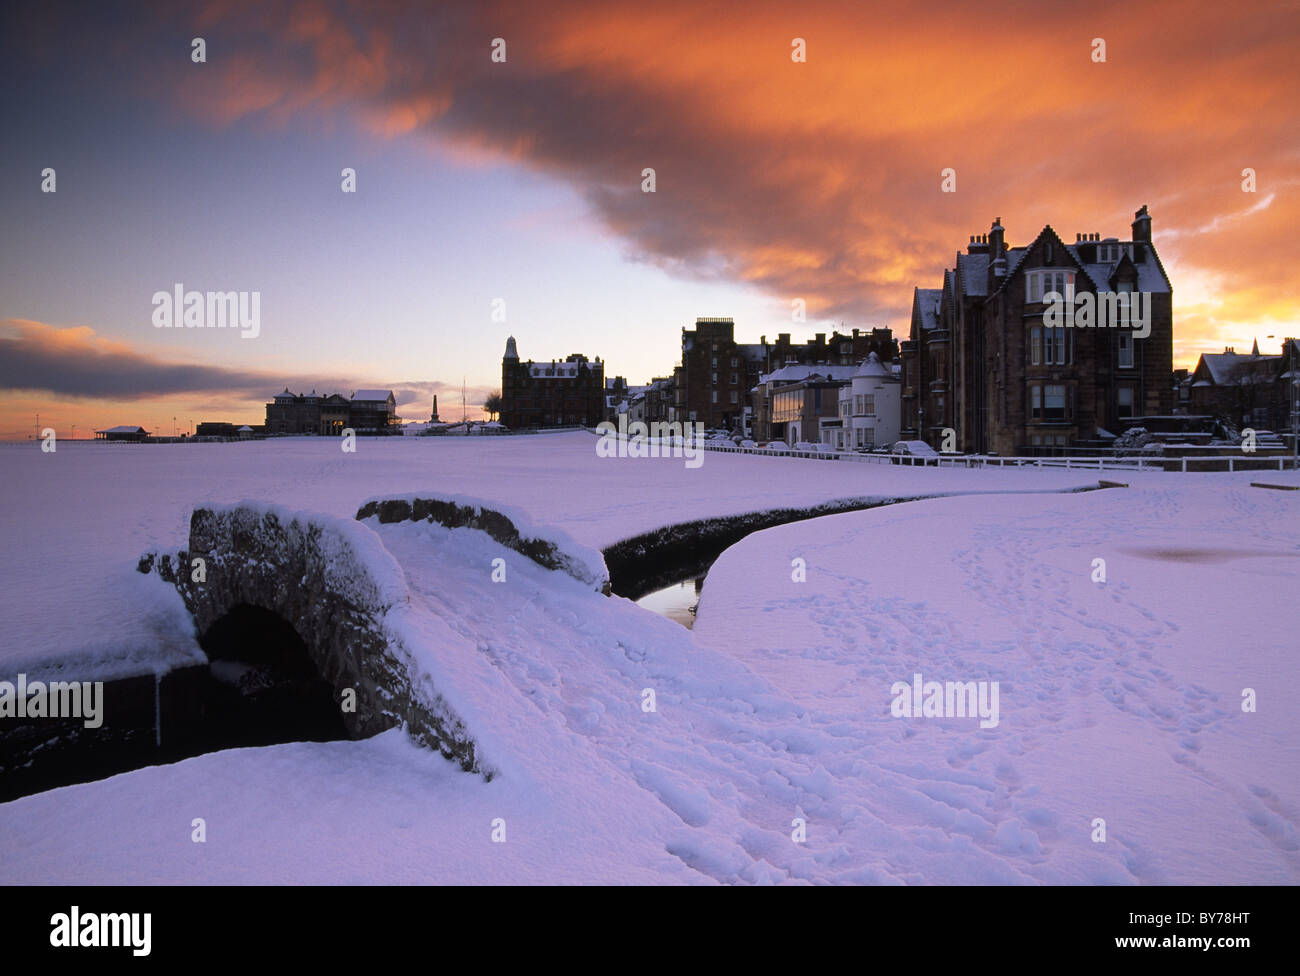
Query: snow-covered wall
{"x":334,"y":581}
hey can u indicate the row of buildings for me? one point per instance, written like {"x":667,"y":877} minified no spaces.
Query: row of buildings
{"x":721,"y":383}
{"x":984,"y":368}
{"x":980,"y":361}
{"x":1245,"y":390}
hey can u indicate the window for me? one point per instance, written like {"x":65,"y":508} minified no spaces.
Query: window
{"x":715,"y":362}
{"x":1038,"y":284}
{"x":1036,"y":402}
{"x":869,"y":404}
{"x":715,"y":396}
{"x":734,"y":362}
{"x":715,"y":378}
{"x":1054,"y":350}
{"x":735,"y":398}
{"x":735,"y":378}
{"x":1035,"y":346}
{"x":1125,"y":401}
{"x":1054,"y":402}
{"x":1107,"y":253}
{"x":1125,"y":349}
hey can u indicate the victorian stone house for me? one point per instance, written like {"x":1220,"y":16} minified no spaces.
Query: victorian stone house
{"x":984,"y":360}
{"x":558,"y":393}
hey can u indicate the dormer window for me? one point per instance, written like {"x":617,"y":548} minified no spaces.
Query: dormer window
{"x":1106,"y":253}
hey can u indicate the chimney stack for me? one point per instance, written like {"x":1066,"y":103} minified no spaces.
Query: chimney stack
{"x":1142,"y":225}
{"x":997,"y":248}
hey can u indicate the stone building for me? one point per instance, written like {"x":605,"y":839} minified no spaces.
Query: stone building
{"x":1246,"y":390}
{"x":714,"y":381}
{"x":983,"y":360}
{"x":560,"y":393}
{"x":367,"y":412}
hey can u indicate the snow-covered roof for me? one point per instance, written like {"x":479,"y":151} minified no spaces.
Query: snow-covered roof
{"x":122,"y":429}
{"x":1226,"y":368}
{"x":926,"y":301}
{"x":245,"y":428}
{"x":872,"y":366}
{"x":1151,"y":277}
{"x":372,"y":394}
{"x":554,"y":370}
{"x":973,"y":269}
{"x":793,"y":372}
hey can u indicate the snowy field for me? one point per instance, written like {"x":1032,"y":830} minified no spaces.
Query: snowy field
{"x":74,"y":522}
{"x":1118,"y":700}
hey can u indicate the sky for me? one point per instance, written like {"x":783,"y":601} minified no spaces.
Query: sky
{"x":489,"y":189}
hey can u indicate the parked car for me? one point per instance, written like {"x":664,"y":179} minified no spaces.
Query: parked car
{"x":919,"y":449}
{"x":914,"y":449}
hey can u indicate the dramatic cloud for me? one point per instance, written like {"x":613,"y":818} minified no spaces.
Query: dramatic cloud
{"x":817,"y":180}
{"x":37,"y":358}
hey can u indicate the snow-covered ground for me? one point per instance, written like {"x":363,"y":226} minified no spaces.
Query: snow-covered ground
{"x":74,"y":522}
{"x":1118,"y":700}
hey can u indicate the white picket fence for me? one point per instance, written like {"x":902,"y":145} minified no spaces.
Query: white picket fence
{"x":1138,"y":463}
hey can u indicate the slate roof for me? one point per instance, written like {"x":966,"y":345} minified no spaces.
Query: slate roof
{"x":926,"y":301}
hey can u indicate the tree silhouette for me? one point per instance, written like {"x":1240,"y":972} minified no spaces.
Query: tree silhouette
{"x":493,"y":405}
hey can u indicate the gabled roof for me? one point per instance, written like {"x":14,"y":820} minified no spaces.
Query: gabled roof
{"x":1016,"y":257}
{"x":973,"y":272}
{"x":925,"y":306}
{"x":122,"y":429}
{"x":1234,"y":369}
{"x":372,"y":395}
